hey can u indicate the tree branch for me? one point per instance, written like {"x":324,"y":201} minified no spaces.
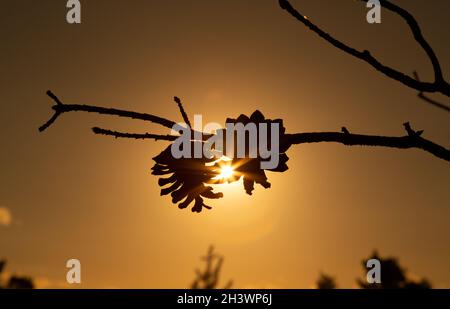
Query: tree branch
{"x":422,"y":96}
{"x":439,"y":85}
{"x":117,"y":134}
{"x":413,"y":139}
{"x":61,"y":108}
{"x":418,"y":36}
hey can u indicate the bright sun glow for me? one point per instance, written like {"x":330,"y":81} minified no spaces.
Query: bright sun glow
{"x":225,"y":172}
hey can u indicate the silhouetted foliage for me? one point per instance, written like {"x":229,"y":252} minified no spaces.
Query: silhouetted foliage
{"x":393,"y":276}
{"x":2,"y":265}
{"x":14,"y":281}
{"x":209,"y":278}
{"x":325,"y":282}
{"x":18,"y":282}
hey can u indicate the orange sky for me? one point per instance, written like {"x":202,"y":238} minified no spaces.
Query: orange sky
{"x":72,"y":194}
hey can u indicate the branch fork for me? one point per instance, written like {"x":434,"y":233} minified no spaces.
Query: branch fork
{"x":439,"y":84}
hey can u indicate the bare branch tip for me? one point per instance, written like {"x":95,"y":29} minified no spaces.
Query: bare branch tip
{"x":282,"y":3}
{"x":53,"y":97}
{"x":182,"y":111}
{"x":96,"y":130}
{"x":410,"y":131}
{"x":55,"y":115}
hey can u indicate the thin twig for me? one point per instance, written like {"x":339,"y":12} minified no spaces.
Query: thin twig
{"x":61,"y":108}
{"x":422,"y":96}
{"x":183,"y":112}
{"x":118,"y":134}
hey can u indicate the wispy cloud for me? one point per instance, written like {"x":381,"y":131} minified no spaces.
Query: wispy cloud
{"x":5,"y":216}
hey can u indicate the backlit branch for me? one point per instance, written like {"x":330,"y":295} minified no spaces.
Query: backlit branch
{"x":413,"y":139}
{"x":117,"y":134}
{"x":61,"y":108}
{"x":439,"y":84}
{"x":431,"y":101}
{"x":182,"y":111}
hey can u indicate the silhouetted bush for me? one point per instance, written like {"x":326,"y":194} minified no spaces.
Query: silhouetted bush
{"x":209,"y":278}
{"x":393,"y":276}
{"x":15,"y":282}
{"x":325,"y":282}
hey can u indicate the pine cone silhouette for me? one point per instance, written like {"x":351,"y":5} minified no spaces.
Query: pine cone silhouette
{"x":250,"y":168}
{"x":187,"y":179}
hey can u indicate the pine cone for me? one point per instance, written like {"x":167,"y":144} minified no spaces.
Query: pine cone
{"x":187,"y":179}
{"x":250,"y":168}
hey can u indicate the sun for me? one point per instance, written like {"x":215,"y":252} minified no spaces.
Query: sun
{"x":226,"y":172}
